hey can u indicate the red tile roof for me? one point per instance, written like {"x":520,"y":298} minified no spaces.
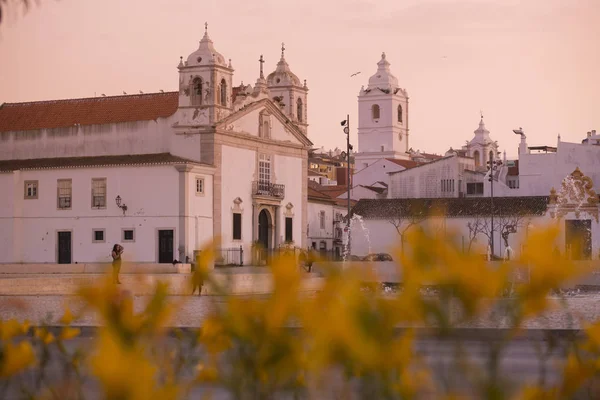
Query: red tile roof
{"x":404,"y":163}
{"x":89,"y":111}
{"x":97,"y":161}
{"x":316,"y":195}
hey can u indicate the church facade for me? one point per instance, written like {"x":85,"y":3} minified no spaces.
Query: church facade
{"x":162,"y":173}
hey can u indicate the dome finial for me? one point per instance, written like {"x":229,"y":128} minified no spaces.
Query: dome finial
{"x":282,"y":50}
{"x":206,"y":28}
{"x":383,"y":55}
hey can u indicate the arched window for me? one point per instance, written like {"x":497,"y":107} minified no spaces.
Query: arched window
{"x":375,"y":111}
{"x":223,"y":96}
{"x":264,"y":126}
{"x":477,"y":159}
{"x":299,"y":111}
{"x":197,"y":91}
{"x":399,"y":113}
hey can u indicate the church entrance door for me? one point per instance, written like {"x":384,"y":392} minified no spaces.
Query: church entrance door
{"x":578,"y":238}
{"x":263,"y":229}
{"x":165,"y":246}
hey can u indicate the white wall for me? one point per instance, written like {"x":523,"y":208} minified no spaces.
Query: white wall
{"x":315,"y":233}
{"x":141,"y":137}
{"x":150,"y":193}
{"x":376,"y":172}
{"x":425,"y":180}
{"x":380,"y":235}
{"x":538,"y":173}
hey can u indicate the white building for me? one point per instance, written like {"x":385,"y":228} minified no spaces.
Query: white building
{"x":160,"y":173}
{"x":451,"y":176}
{"x":325,"y":224}
{"x":576,"y":209}
{"x":541,"y":168}
{"x":382,"y":118}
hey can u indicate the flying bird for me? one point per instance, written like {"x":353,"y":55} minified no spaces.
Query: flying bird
{"x":354,"y":74}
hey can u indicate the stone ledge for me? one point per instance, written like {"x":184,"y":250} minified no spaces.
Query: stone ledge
{"x":94,"y":268}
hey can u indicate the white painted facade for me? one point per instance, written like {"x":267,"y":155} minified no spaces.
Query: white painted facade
{"x":210,"y":137}
{"x":445,"y":177}
{"x":382,"y":118}
{"x":540,"y":172}
{"x":377,"y":171}
{"x":384,"y":238}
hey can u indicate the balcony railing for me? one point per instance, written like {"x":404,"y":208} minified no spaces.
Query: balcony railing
{"x":268,"y":189}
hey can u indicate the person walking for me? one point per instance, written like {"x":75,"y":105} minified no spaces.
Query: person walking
{"x":197,"y":276}
{"x":116,"y":264}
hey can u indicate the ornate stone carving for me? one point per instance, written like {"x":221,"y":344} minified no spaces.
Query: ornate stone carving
{"x":576,"y":195}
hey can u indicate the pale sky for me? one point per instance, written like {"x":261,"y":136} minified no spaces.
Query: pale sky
{"x":529,"y":63}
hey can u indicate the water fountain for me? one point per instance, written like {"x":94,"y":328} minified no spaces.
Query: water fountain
{"x":355,"y":218}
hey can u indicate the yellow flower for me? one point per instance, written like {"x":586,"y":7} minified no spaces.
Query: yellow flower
{"x":15,"y":358}
{"x":69,"y":333}
{"x":44,"y":335}
{"x":206,"y":374}
{"x":67,"y":318}
{"x":124,"y":372}
{"x":12,"y":328}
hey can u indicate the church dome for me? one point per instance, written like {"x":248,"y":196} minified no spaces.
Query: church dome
{"x":383,"y":78}
{"x":282,"y":76}
{"x":206,"y":54}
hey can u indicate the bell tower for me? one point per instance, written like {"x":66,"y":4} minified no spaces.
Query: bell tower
{"x":289,"y":93}
{"x":205,"y":86}
{"x":382,"y":118}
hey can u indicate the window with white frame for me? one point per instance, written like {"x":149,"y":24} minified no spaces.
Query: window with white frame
{"x":199,"y":185}
{"x":264,"y":168}
{"x":322,"y":219}
{"x":98,"y":236}
{"x":128,"y":235}
{"x":99,"y":193}
{"x":64,"y":193}
{"x":31,"y":189}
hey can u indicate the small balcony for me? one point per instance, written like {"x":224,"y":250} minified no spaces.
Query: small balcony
{"x":268,"y":189}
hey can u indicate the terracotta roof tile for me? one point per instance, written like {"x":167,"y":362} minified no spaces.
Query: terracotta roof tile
{"x":453,"y":207}
{"x":89,"y":111}
{"x":316,"y":195}
{"x":404,"y":163}
{"x":64,"y":162}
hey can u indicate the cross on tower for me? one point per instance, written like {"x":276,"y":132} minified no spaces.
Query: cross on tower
{"x":282,"y":49}
{"x":261,"y":61}
{"x":206,"y":28}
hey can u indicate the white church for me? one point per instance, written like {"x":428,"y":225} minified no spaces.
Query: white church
{"x":162,"y":173}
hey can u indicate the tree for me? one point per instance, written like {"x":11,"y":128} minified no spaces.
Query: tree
{"x":403,"y":223}
{"x":504,"y":224}
{"x":475,"y":228}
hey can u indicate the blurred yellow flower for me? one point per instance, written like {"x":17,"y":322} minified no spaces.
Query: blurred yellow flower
{"x":67,"y":317}
{"x":15,"y":358}
{"x":12,"y":328}
{"x":69,"y":333}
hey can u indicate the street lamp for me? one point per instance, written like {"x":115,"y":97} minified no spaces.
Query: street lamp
{"x":346,"y":124}
{"x":492,"y":167}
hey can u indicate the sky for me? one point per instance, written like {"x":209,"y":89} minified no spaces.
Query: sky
{"x":522,"y":63}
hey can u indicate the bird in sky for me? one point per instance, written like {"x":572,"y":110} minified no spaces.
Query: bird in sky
{"x":354,"y":74}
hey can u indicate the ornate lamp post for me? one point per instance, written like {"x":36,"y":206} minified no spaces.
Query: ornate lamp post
{"x":346,"y":124}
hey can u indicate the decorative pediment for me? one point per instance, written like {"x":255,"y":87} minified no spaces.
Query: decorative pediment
{"x":576,"y":195}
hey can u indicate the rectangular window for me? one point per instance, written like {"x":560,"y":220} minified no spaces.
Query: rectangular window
{"x":99,"y":193}
{"x":264,"y":168}
{"x":98,"y":236}
{"x":475,"y":188}
{"x":237,"y":226}
{"x":199,"y":185}
{"x":128,"y":235}
{"x":31,"y":189}
{"x":288,"y":229}
{"x":322,"y":219}
{"x":64,"y":191}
